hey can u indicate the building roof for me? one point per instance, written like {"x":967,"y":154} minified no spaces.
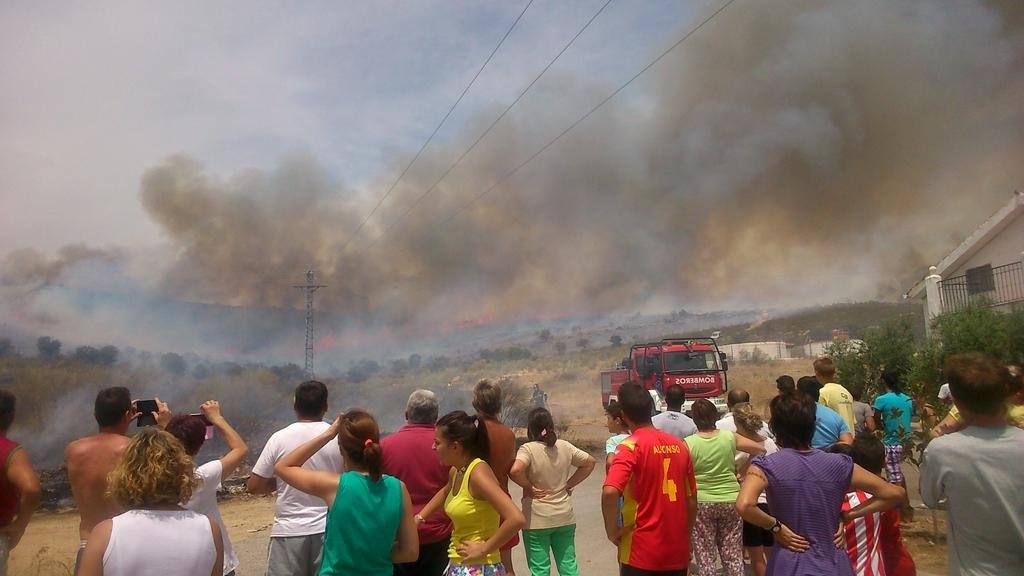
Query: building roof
{"x":976,"y":241}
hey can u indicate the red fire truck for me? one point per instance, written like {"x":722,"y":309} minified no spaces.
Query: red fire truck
{"x":696,"y":364}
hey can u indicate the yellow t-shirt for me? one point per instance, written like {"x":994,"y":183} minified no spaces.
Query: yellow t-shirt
{"x":1014,"y":414}
{"x":839,"y":399}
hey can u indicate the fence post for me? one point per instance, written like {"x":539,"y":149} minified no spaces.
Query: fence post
{"x":933,"y":298}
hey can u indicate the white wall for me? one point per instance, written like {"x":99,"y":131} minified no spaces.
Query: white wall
{"x":773,"y":350}
{"x":1004,"y":248}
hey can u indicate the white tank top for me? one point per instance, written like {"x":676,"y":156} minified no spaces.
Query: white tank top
{"x":160,"y":543}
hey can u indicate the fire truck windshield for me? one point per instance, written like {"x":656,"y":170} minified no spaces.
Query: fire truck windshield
{"x":690,"y":361}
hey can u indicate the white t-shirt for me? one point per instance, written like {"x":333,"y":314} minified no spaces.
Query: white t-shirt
{"x":297,"y":513}
{"x":727,"y":422}
{"x":160,"y":543}
{"x":204,"y":501}
{"x":549,"y":468}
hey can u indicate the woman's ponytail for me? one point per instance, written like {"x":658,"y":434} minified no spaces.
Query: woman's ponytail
{"x":540,"y":427}
{"x":359,"y":437}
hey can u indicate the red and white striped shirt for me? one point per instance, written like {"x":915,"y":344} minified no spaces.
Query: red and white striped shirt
{"x":862,"y":539}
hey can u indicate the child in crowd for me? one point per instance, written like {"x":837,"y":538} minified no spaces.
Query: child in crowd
{"x":874,"y":542}
{"x":617,"y":426}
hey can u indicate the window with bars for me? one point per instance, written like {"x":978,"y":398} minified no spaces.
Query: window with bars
{"x":980,"y":280}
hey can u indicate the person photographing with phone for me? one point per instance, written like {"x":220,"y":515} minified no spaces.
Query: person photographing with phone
{"x":89,"y":460}
{"x":193,"y":430}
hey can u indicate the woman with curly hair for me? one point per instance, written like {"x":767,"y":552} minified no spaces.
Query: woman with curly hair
{"x":154,"y":535}
{"x":370,"y":523}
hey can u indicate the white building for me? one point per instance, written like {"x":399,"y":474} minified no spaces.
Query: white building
{"x":745,"y":350}
{"x":987,"y":267}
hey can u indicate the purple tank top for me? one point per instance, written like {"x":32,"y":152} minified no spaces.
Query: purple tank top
{"x":806,"y":491}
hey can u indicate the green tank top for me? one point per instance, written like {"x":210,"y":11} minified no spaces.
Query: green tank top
{"x":714,"y":467}
{"x":472,"y":520}
{"x":362,"y":526}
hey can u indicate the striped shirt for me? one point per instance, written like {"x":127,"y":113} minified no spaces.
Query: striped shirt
{"x":862,"y":538}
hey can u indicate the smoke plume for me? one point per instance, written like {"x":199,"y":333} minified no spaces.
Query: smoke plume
{"x":786,"y":154}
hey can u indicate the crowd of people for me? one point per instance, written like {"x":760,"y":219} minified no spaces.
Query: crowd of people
{"x":801,"y":492}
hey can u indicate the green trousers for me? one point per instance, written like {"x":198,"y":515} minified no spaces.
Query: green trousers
{"x":542,"y":544}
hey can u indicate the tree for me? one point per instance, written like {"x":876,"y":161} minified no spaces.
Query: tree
{"x":582,"y":343}
{"x":616,"y":340}
{"x":438,"y":363}
{"x":6,"y":348}
{"x":173,"y":364}
{"x":414,"y":361}
{"x":108,"y":355}
{"x":560,"y":347}
{"x":544,"y":335}
{"x":49,"y":348}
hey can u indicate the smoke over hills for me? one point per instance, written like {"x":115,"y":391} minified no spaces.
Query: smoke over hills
{"x":785,"y":154}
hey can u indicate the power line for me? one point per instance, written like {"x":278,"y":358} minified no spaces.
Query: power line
{"x":438,"y":127}
{"x":488,"y":130}
{"x":582,"y":118}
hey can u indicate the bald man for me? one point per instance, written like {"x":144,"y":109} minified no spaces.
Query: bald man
{"x":735,"y":398}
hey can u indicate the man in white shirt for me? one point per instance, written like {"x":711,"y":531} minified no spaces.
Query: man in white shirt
{"x":673,"y":421}
{"x":738,"y":397}
{"x":296,"y":539}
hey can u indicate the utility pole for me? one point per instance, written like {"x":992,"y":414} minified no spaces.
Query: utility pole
{"x":309,"y":287}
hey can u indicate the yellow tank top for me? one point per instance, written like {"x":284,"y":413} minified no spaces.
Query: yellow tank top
{"x":473,"y":520}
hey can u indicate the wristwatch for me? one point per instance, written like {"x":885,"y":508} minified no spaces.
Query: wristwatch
{"x":776,"y":527}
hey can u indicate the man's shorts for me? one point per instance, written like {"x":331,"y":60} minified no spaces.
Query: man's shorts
{"x":893,"y":460}
{"x":295,"y":555}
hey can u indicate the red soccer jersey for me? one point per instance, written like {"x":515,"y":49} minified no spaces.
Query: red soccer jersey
{"x":654,"y":472}
{"x":897,"y":559}
{"x":862,"y":539}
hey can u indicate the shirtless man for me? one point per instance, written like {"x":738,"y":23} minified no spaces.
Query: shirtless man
{"x":90,"y":459}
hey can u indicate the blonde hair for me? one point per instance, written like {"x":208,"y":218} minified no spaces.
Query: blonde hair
{"x":154,"y":470}
{"x":746,"y":418}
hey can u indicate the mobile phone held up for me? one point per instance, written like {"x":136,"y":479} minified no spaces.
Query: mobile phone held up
{"x":206,"y":422}
{"x":145,"y":408}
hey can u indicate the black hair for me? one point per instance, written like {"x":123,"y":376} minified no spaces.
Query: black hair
{"x":111,"y":406}
{"x":311,"y":399}
{"x":785,"y":384}
{"x":891,"y":379}
{"x":809,"y":386}
{"x":857,"y":392}
{"x":704,"y":414}
{"x":7,"y":405}
{"x":636,"y":403}
{"x":792,"y":422}
{"x":469,"y":431}
{"x":540,"y":426}
{"x":979,"y":383}
{"x":614,"y":409}
{"x":868,"y":452}
{"x":675,"y":396}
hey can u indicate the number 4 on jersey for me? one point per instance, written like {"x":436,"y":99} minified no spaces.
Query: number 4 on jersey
{"x":668,"y":485}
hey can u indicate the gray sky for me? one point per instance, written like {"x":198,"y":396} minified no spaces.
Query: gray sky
{"x":97,"y":92}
